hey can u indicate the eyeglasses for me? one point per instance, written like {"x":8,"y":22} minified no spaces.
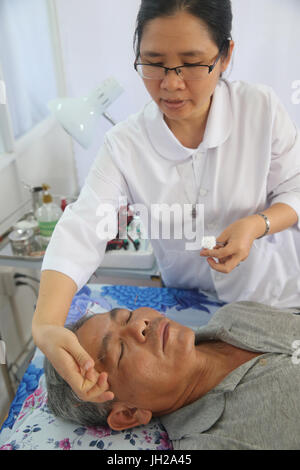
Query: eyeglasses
{"x":185,"y":72}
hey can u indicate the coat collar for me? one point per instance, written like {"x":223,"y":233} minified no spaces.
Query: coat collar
{"x":218,"y":127}
{"x":196,"y":418}
{"x":201,"y":415}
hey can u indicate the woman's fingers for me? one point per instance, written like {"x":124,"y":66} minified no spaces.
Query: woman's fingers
{"x":82,"y":358}
{"x":232,"y":246}
{"x":227,"y":264}
{"x":73,"y":363}
{"x":82,"y":377}
{"x":96,"y":387}
{"x":218,"y":252}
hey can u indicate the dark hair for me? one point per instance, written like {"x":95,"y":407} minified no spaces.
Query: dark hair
{"x":216,"y":14}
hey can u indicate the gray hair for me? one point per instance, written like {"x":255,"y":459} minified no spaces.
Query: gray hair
{"x":63,"y":402}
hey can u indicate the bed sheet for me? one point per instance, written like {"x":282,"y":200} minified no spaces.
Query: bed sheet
{"x":31,"y":426}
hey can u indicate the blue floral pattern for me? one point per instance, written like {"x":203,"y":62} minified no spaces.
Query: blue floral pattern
{"x":160,"y":299}
{"x":30,"y":425}
{"x":83,"y":301}
{"x":29,"y":383}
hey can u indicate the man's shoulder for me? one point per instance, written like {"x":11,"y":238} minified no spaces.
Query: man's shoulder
{"x":263,"y":327}
{"x":249,"y":309}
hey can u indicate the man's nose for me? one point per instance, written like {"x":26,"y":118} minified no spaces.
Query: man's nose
{"x":136,"y":329}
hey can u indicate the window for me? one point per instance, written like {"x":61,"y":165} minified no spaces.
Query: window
{"x":26,"y":57}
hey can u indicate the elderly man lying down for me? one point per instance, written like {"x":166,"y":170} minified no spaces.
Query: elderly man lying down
{"x":234,"y":384}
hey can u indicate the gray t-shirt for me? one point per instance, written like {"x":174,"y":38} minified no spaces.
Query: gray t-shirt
{"x":257,"y":406}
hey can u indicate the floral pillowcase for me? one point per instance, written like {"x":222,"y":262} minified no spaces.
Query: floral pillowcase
{"x":36,"y":428}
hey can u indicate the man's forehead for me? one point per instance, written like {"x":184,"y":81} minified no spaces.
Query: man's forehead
{"x":92,"y":331}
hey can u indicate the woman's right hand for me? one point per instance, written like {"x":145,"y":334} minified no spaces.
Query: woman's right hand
{"x":72,"y":362}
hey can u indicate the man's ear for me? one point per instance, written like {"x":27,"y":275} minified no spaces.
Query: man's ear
{"x":123,"y":416}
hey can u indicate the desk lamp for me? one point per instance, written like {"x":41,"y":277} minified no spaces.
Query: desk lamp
{"x":79,"y":116}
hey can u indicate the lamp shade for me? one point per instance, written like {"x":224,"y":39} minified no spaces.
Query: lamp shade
{"x":80,"y":116}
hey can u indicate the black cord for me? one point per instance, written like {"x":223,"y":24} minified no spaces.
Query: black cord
{"x":20,"y":283}
{"x":19,"y":275}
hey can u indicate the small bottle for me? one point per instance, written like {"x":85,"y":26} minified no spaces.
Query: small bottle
{"x":47,"y":216}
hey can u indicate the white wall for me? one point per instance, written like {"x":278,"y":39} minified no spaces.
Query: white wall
{"x":267,"y":36}
{"x":97,"y":39}
{"x":48,"y":157}
{"x":45,"y":155}
{"x":97,"y":42}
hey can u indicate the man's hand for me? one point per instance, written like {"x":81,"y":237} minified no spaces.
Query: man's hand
{"x":72,"y":362}
{"x":234,"y":244}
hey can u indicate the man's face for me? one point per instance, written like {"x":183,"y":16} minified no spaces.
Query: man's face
{"x":150,"y":360}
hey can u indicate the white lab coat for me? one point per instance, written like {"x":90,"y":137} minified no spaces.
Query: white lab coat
{"x":248,"y":160}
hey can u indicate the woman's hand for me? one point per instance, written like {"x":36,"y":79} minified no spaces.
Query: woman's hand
{"x":234,"y":244}
{"x":72,"y":362}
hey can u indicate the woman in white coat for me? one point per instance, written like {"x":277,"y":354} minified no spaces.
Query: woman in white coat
{"x":228,"y":151}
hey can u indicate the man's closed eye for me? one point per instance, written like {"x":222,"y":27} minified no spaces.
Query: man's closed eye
{"x":122,"y":344}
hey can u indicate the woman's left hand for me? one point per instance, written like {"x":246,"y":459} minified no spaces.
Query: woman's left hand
{"x":234,"y":245}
